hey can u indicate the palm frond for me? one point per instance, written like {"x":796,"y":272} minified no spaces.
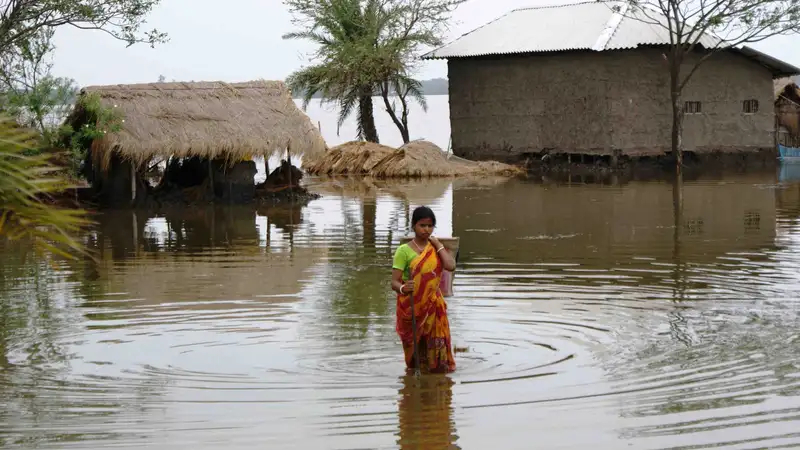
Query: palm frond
{"x":27,"y":184}
{"x":407,"y":86}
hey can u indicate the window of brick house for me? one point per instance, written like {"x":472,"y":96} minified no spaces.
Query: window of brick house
{"x":692,"y":108}
{"x":750,"y":106}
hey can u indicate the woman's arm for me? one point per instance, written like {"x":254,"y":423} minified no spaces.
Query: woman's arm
{"x":397,"y":283}
{"x":448,"y":261}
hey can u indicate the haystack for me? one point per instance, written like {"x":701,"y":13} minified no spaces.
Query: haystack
{"x":350,"y":158}
{"x":417,"y":159}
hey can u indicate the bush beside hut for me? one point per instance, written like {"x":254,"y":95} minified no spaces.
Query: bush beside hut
{"x":206,"y":133}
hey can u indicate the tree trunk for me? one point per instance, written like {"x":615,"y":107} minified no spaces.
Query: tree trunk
{"x":677,"y":122}
{"x":401,"y":125}
{"x":677,"y":222}
{"x":404,"y":133}
{"x":367,"y":119}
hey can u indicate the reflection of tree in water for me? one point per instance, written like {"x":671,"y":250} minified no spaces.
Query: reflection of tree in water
{"x":26,"y":309}
{"x":426,"y":414}
{"x":357,"y":290}
{"x":44,"y":399}
{"x":714,"y":360}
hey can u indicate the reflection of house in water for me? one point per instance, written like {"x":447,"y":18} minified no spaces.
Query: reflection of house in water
{"x":203,"y":254}
{"x":595,"y":225}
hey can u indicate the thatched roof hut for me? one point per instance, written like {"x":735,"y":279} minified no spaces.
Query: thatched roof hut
{"x":787,"y":108}
{"x":204,"y":119}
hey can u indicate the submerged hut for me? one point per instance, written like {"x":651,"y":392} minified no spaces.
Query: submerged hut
{"x":206,"y":134}
{"x":787,"y":112}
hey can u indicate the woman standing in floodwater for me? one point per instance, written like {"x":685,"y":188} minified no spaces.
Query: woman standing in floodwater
{"x":417,"y":271}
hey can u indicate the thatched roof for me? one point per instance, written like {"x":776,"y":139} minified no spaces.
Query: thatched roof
{"x":787,"y":103}
{"x":207,"y":119}
{"x":417,"y":159}
{"x":789,"y":93}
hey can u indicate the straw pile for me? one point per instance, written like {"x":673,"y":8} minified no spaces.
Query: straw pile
{"x":350,"y":158}
{"x":207,"y":119}
{"x":417,"y":159}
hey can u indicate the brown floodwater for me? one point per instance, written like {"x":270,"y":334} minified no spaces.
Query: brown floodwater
{"x":592,"y":315}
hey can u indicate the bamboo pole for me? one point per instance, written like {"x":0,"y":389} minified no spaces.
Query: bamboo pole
{"x":414,"y":335}
{"x":133,"y":182}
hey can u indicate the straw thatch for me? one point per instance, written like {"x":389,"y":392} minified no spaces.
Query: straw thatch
{"x":787,"y":108}
{"x":207,"y":119}
{"x":350,"y":158}
{"x":779,"y":83}
{"x":417,"y":159}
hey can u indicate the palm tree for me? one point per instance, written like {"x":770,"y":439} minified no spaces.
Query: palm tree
{"x":366,"y":47}
{"x":344,"y":30}
{"x":27,"y":201}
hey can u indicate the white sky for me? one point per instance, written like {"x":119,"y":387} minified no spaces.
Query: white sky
{"x":241,"y":41}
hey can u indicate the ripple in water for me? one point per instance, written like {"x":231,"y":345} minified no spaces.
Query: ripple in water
{"x":591,"y":322}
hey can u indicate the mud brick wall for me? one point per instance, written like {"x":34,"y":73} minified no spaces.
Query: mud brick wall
{"x":595,"y":102}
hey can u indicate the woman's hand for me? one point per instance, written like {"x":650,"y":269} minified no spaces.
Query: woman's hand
{"x":408,"y":287}
{"x":447,"y":259}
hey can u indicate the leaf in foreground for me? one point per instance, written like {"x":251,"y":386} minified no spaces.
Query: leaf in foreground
{"x":28,"y":189}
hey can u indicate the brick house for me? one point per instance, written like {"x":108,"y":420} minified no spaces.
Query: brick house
{"x":585,"y":79}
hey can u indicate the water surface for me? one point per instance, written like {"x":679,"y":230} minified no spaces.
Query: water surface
{"x":602,"y":315}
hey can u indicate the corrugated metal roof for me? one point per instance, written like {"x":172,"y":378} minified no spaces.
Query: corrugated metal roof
{"x":542,"y":29}
{"x":637,"y":28}
{"x":592,"y":25}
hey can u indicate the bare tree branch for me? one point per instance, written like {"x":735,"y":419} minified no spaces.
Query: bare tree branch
{"x":703,"y":28}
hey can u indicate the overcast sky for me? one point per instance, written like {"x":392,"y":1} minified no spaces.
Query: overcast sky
{"x":242,"y":41}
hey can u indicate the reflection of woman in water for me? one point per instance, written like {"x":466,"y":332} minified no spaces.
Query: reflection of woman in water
{"x":417,"y":271}
{"x":425,"y":413}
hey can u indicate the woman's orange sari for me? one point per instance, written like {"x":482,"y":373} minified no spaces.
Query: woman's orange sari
{"x":430,"y":309}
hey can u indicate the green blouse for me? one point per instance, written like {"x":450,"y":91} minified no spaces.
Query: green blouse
{"x":402,"y":260}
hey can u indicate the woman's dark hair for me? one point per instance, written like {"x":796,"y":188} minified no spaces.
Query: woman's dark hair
{"x":422,"y":212}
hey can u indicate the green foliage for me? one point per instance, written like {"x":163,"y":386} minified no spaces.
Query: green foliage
{"x":122,"y":19}
{"x":42,"y":105}
{"x":97,"y":121}
{"x":29,"y":92}
{"x":364,"y":46}
{"x":29,"y":182}
{"x":27,"y":188}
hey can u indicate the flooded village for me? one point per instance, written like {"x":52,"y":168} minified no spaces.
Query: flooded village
{"x":626,"y":273}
